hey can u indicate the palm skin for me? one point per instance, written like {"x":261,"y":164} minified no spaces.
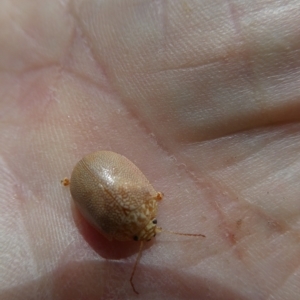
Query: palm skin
{"x":203,"y":96}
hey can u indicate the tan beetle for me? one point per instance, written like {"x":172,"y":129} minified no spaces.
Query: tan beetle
{"x":116,"y":198}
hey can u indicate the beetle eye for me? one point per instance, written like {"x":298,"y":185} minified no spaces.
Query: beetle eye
{"x":136,"y":238}
{"x":154,"y":221}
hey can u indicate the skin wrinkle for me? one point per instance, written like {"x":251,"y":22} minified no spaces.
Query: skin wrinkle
{"x":281,"y":286}
{"x":161,"y":6}
{"x":205,"y":65}
{"x":229,"y":234}
{"x":87,"y":43}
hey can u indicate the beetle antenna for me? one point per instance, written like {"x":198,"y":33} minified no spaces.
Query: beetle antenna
{"x":159,"y":229}
{"x":135,"y":265}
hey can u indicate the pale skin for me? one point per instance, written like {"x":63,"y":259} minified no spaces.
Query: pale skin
{"x":203,"y":96}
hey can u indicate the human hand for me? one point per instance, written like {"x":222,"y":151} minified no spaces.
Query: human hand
{"x":202,"y":96}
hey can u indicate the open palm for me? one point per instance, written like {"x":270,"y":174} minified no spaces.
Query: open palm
{"x":203,"y":96}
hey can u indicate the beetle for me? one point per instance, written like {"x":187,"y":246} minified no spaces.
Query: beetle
{"x":116,"y":198}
